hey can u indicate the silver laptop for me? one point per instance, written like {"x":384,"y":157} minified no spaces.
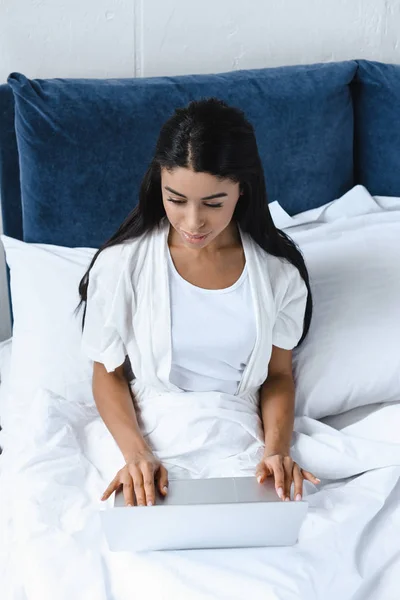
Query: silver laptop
{"x":206,"y":513}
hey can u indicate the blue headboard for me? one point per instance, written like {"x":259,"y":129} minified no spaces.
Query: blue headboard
{"x":71,"y":166}
{"x":10,"y":191}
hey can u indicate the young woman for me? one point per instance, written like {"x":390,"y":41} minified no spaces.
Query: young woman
{"x":207,"y":299}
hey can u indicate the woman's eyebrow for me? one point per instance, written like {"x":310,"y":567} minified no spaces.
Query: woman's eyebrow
{"x":174,"y":192}
{"x":219,"y":195}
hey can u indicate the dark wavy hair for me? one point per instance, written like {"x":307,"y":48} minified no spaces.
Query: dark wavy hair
{"x":211,"y":137}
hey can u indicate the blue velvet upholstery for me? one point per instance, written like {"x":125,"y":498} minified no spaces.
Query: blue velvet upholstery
{"x":84,"y":144}
{"x":377,"y":127}
{"x":9,"y":167}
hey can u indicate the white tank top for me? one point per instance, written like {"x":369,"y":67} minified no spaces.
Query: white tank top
{"x":213,"y":333}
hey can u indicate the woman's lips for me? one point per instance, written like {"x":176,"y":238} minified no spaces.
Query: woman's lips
{"x":194,"y":239}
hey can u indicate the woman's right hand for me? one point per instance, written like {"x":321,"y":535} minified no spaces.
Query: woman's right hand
{"x":138,"y":479}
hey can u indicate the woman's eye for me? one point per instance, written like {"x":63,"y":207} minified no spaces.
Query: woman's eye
{"x":175,"y":201}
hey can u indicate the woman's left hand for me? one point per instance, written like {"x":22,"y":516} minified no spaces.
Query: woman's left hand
{"x":285,"y":471}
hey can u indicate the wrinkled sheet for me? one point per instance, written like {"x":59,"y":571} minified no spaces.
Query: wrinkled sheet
{"x":61,"y":457}
{"x":5,"y":360}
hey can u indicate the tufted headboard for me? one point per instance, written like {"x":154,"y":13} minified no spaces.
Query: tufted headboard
{"x":73,"y":152}
{"x":83,"y":145}
{"x":10,"y":190}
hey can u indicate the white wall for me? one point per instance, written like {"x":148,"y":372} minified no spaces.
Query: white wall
{"x":112,"y":38}
{"x":125,"y":38}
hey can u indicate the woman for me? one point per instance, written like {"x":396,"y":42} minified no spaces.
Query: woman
{"x":207,"y":299}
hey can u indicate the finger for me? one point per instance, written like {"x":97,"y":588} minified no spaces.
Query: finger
{"x":279,"y":476}
{"x":288,"y":469}
{"x":298,"y":482}
{"x":138,"y":486}
{"x":148,"y":483}
{"x":127,"y":490}
{"x":310,"y":477}
{"x":162,"y":477}
{"x":262,"y":472}
{"x":115,"y":484}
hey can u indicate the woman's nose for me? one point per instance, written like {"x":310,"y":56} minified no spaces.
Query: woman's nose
{"x":195,"y":222}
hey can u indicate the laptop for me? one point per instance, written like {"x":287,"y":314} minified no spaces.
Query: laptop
{"x":233,"y":512}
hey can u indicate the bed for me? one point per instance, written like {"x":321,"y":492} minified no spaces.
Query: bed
{"x":72,"y":153}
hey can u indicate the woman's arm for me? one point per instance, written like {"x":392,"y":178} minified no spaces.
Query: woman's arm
{"x":277,"y":412}
{"x":114,"y":402}
{"x":277,"y":402}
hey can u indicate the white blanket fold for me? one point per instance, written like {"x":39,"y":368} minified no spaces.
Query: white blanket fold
{"x":62,"y":457}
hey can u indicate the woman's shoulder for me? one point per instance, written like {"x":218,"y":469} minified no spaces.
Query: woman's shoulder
{"x":110,"y":256}
{"x":113,"y":258}
{"x":118,"y":262}
{"x":278,"y":268}
{"x":282,"y":275}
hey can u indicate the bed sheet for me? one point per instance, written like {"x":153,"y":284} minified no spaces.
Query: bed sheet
{"x":5,"y":360}
{"x":356,"y":202}
{"x":61,"y":458}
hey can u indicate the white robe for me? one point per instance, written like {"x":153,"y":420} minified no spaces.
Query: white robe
{"x":128,"y":313}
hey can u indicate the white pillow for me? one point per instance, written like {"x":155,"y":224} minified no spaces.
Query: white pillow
{"x":46,"y":348}
{"x":5,"y":366}
{"x":351,"y":357}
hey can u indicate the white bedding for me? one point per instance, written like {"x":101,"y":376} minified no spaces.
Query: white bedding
{"x":59,"y":457}
{"x":55,"y":470}
{"x":5,"y":360}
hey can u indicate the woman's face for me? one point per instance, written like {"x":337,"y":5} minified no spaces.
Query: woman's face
{"x":199,"y":206}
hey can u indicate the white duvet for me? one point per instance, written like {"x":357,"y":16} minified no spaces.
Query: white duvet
{"x":59,"y":457}
{"x":53,"y":547}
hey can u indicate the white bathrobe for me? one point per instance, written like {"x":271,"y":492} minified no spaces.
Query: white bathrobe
{"x":128,"y":313}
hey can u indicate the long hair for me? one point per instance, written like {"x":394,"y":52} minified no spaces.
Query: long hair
{"x":211,"y":137}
